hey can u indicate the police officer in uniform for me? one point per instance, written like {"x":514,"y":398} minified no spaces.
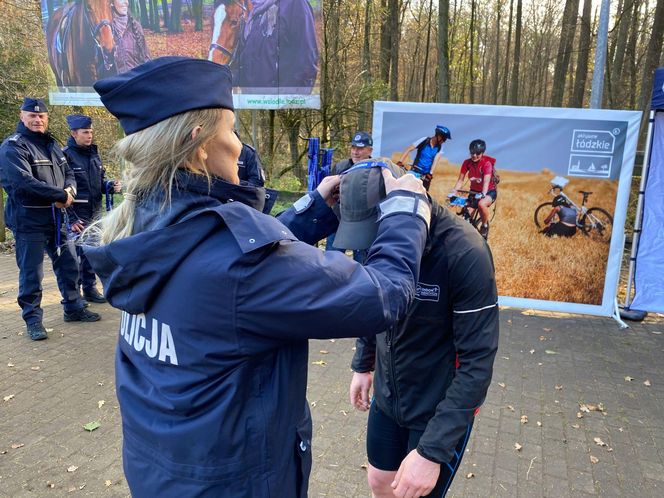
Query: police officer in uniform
{"x":361,"y":147}
{"x":91,"y":183}
{"x":218,"y":299}
{"x":249,"y":167}
{"x":39,"y":186}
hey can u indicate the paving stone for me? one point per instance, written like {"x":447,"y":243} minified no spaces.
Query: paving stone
{"x":51,"y":404}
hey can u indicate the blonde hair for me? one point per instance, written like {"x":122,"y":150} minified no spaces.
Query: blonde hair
{"x":152,"y":157}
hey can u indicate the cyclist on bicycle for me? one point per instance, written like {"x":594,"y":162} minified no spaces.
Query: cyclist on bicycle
{"x":566,"y":224}
{"x":480,"y":170}
{"x":427,"y":157}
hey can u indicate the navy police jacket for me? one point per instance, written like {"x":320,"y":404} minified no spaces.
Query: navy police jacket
{"x":90,"y":176}
{"x":249,"y":167}
{"x":34,"y":173}
{"x":434,"y":367}
{"x":218,"y":301}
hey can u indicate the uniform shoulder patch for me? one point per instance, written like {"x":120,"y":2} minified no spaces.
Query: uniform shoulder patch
{"x":303,"y":203}
{"x":14,"y":138}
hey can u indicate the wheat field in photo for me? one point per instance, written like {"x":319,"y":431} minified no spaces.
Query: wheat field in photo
{"x":528,"y":264}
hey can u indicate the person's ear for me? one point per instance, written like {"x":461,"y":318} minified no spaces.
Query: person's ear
{"x":195,"y":132}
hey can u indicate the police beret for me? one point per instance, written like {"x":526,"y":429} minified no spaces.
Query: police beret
{"x":165,"y":87}
{"x":33,"y":105}
{"x":79,"y":121}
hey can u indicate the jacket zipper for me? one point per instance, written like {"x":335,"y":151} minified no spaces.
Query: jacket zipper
{"x":392,"y":374}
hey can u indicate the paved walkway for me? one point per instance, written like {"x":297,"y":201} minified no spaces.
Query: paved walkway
{"x":549,"y":369}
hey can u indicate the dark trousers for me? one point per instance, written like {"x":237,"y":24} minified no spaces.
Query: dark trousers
{"x":86,"y":276}
{"x":30,"y":248}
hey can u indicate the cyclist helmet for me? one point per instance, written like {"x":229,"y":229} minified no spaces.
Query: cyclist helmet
{"x":560,"y":200}
{"x":443,"y":131}
{"x":477,"y":146}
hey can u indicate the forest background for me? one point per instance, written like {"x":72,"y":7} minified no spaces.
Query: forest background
{"x":514,"y":52}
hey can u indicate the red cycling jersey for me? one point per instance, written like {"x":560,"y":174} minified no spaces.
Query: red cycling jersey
{"x":477,"y":170}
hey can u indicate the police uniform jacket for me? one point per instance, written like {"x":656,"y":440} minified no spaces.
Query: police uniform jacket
{"x":34,"y":172}
{"x":249,"y":167}
{"x":218,"y":301}
{"x":90,"y":176}
{"x":434,"y":367}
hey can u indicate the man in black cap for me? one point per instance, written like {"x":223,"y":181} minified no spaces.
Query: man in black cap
{"x":91,"y":183}
{"x":39,"y":186}
{"x":433,"y":368}
{"x":361,"y":147}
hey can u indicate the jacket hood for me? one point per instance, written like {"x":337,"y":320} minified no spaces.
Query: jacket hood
{"x":134,"y":269}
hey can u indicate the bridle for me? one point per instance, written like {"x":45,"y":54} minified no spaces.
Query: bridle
{"x":94,"y":31}
{"x":216,"y":46}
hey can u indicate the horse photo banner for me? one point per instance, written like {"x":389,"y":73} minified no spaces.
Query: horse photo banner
{"x":271,"y":46}
{"x":589,"y":153}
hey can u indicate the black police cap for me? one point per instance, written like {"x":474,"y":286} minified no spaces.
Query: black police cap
{"x":79,"y":121}
{"x":33,"y":105}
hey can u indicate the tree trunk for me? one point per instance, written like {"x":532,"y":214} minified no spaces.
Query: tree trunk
{"x":506,"y":69}
{"x":154,"y":17}
{"x":363,"y":118}
{"x":394,"y":49}
{"x":514,"y":89}
{"x":144,"y":14}
{"x":176,"y":11}
{"x":653,"y":54}
{"x":385,"y":40}
{"x":197,"y":11}
{"x":164,"y":10}
{"x":616,"y":95}
{"x":443,"y":51}
{"x":496,"y":56}
{"x":630,"y":54}
{"x":584,"y":54}
{"x":426,"y":51}
{"x":564,"y":51}
{"x":471,"y":59}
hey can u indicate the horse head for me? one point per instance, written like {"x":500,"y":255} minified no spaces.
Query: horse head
{"x":229,"y":19}
{"x":101,"y":15}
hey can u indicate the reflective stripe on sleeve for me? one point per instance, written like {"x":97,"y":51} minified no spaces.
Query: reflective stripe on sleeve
{"x":403,"y":204}
{"x":461,"y":312}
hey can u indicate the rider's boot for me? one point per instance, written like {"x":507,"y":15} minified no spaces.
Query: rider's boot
{"x":484,"y":230}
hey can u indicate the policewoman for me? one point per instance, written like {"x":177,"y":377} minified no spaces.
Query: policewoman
{"x":83,"y":158}
{"x":39,"y":185}
{"x":218,"y":299}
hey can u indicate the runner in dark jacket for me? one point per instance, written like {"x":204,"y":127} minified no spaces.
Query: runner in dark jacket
{"x":433,"y":369}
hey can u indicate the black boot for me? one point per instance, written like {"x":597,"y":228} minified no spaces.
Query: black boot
{"x":82,"y":315}
{"x":92,"y":295}
{"x":36,"y":331}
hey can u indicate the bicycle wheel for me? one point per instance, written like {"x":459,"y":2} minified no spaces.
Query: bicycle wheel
{"x":598,"y":224}
{"x":541,"y":213}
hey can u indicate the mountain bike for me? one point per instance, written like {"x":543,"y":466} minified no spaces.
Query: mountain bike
{"x":593,"y":222}
{"x":466,"y":207}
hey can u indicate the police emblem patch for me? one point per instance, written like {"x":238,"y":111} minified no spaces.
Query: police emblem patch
{"x":358,"y":137}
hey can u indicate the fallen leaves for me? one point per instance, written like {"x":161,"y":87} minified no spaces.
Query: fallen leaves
{"x":319,"y":362}
{"x":101,"y":403}
{"x":72,"y":468}
{"x":576,"y":426}
{"x":550,"y":351}
{"x":322,"y":351}
{"x":591,"y":407}
{"x":599,"y":442}
{"x":629,"y":379}
{"x":108,"y":483}
{"x":518,"y":447}
{"x":16,"y":446}
{"x":91,"y":426}
{"x":558,"y":387}
{"x":470,"y":475}
{"x":594,"y":459}
{"x":510,"y":408}
{"x":8,"y":397}
{"x":539,"y":424}
{"x":502,"y":384}
{"x":647,"y":383}
{"x":524,"y":419}
{"x":10,"y":364}
{"x":35,"y":368}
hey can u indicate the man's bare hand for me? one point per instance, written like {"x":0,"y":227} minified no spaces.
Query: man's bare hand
{"x":360,"y":386}
{"x":329,"y":189}
{"x":406,"y":182}
{"x":416,"y":476}
{"x":117,"y":186}
{"x":70,"y":200}
{"x":77,"y":226}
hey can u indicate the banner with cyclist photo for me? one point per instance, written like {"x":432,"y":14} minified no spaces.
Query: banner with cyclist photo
{"x":547,"y":187}
{"x":271,"y":46}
